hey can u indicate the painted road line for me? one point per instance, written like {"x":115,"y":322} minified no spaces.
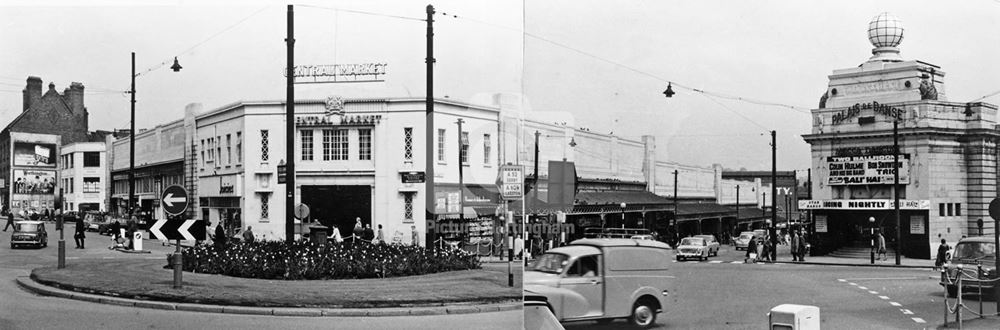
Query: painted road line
{"x":715,"y":262}
{"x":906,"y":311}
{"x":883,"y":297}
{"x":895,"y":304}
{"x":852,"y":283}
{"x":872,"y":292}
{"x":881,"y":278}
{"x":152,"y":258}
{"x":841,"y":280}
{"x":862,"y":288}
{"x":736,"y":262}
{"x":107,"y":257}
{"x":919,"y":320}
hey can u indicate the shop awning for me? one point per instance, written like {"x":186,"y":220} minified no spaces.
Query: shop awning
{"x":468,"y":211}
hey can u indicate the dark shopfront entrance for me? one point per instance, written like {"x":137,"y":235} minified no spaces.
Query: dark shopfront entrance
{"x":852,"y":228}
{"x":339,"y":205}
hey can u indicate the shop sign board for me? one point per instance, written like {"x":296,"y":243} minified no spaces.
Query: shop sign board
{"x":864,"y":204}
{"x":413,"y":177}
{"x":874,"y":169}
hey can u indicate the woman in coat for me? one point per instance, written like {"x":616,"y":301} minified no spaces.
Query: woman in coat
{"x":751,"y":248}
{"x":79,"y":235}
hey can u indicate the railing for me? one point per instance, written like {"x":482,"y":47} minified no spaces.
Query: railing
{"x":983,"y":280}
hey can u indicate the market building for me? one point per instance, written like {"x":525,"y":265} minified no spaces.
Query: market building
{"x":947,"y":154}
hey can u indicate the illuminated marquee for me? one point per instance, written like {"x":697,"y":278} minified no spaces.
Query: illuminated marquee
{"x":858,"y":170}
{"x":334,"y":73}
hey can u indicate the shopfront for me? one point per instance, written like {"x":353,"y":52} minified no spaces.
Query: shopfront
{"x":220,"y":200}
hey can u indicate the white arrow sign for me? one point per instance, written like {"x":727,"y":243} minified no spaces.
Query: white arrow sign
{"x":184,"y":229}
{"x":155,"y":229}
{"x":170,"y":200}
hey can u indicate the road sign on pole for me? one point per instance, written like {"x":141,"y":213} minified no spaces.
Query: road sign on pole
{"x":174,"y":200}
{"x":510,"y":182}
{"x":301,"y":211}
{"x":191,"y":229}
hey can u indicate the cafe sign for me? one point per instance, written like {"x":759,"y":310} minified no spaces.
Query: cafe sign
{"x":874,"y":169}
{"x":864,"y":204}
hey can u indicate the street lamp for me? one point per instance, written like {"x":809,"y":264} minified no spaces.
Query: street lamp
{"x":623,"y":214}
{"x":131,"y":156}
{"x":871,"y":225}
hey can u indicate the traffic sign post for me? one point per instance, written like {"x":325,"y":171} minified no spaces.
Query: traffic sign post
{"x":174,"y":200}
{"x":995,"y":214}
{"x":510,"y":182}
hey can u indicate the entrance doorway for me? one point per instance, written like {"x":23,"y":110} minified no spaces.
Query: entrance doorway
{"x":339,"y":205}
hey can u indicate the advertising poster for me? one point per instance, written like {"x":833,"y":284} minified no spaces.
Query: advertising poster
{"x":876,"y":169}
{"x":821,"y":224}
{"x":34,"y":154}
{"x":917,"y":224}
{"x":33,"y":182}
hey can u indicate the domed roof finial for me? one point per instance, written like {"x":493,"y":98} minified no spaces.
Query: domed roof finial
{"x":885,"y":32}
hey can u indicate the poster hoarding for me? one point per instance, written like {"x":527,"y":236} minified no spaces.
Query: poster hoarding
{"x":34,"y":182}
{"x":873,"y":169}
{"x":34,"y":154}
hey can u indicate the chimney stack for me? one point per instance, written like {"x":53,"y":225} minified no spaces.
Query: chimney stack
{"x":74,"y":97}
{"x":32,"y":92}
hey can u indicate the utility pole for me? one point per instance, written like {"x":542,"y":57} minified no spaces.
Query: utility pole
{"x":429,"y":143}
{"x":676,"y":218}
{"x":895,"y":183}
{"x":131,"y":145}
{"x":461,"y":185}
{"x":737,"y":205}
{"x":535,"y":189}
{"x":774,"y":194}
{"x":290,"y":131}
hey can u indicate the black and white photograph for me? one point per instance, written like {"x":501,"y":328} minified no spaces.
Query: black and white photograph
{"x":494,"y":164}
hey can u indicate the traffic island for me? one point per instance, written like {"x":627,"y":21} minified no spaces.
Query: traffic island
{"x":145,"y":282}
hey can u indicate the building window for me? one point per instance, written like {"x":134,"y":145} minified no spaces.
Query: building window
{"x":464,"y":148}
{"x":218,"y":150}
{"x":958,"y":209}
{"x":339,"y":144}
{"x":950,"y":210}
{"x":327,"y":144}
{"x":239,"y":147}
{"x":229,"y":149}
{"x":307,"y":144}
{"x":265,"y":200}
{"x":91,"y":185}
{"x":92,"y":159}
{"x":486,"y":149}
{"x":263,"y":145}
{"x":203,"y":160}
{"x":365,"y":144}
{"x":941,"y":209}
{"x":408,"y":143}
{"x":211,"y":149}
{"x":408,"y":206}
{"x":441,"y":133}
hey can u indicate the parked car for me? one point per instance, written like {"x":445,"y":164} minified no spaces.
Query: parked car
{"x":971,"y":253}
{"x":692,"y":247}
{"x":95,"y":221}
{"x":602,"y":280}
{"x":761,"y":234}
{"x":743,"y":240}
{"x":646,"y":237}
{"x":29,"y":233}
{"x":713,"y":244}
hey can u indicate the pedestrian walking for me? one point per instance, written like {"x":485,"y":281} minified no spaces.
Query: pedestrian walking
{"x":248,"y":235}
{"x":751,"y":250}
{"x":414,"y":235}
{"x":379,"y":237}
{"x":767,"y":249}
{"x":942,"y":254}
{"x":803,"y":246}
{"x":79,"y":236}
{"x":220,"y":235}
{"x":335,"y":235}
{"x":10,"y":220}
{"x":368,"y":234}
{"x":880,"y":245}
{"x":132,"y":226}
{"x":359,"y":229}
{"x":795,"y":241}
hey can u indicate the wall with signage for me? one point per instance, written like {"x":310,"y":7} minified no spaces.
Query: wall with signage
{"x":873,"y":169}
{"x":864,"y":204}
{"x":34,"y":182}
{"x":34,"y":154}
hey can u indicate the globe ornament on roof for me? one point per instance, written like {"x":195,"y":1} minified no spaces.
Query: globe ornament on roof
{"x":885,"y":32}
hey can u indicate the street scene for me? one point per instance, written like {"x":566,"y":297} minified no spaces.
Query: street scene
{"x":500,"y":165}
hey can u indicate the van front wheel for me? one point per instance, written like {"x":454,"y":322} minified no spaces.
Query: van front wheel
{"x":643,"y":315}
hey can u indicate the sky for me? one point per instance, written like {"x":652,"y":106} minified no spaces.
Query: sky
{"x":604,"y":62}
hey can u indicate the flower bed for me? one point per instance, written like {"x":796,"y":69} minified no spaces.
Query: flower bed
{"x":307,"y":261}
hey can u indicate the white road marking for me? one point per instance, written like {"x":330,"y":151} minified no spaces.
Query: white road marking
{"x":842,"y":280}
{"x":919,"y":320}
{"x":881,"y":278}
{"x":737,"y":262}
{"x":107,"y":257}
{"x":883,"y":297}
{"x":715,"y":262}
{"x":895,"y":304}
{"x":906,"y":311}
{"x":852,"y":283}
{"x":72,"y":257}
{"x":862,"y":288}
{"x":872,"y":292}
{"x":152,"y":258}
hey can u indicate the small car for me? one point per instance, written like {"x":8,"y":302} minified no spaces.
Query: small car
{"x":94,"y":221}
{"x":646,"y":237}
{"x":602,"y":280}
{"x":967,"y":257}
{"x":29,"y":233}
{"x":692,"y":247}
{"x":713,"y":244}
{"x":743,"y":240}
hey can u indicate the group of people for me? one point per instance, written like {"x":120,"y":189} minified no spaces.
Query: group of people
{"x":761,"y":251}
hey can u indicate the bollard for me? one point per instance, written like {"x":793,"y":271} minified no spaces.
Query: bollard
{"x":944,"y":279}
{"x":178,"y":266}
{"x":958,"y":306}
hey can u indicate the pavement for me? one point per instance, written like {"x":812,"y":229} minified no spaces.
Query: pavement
{"x":784,"y":256}
{"x":139,"y":280}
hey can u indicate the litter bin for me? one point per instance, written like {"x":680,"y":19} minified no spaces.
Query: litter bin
{"x":317,"y":234}
{"x":790,"y":316}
